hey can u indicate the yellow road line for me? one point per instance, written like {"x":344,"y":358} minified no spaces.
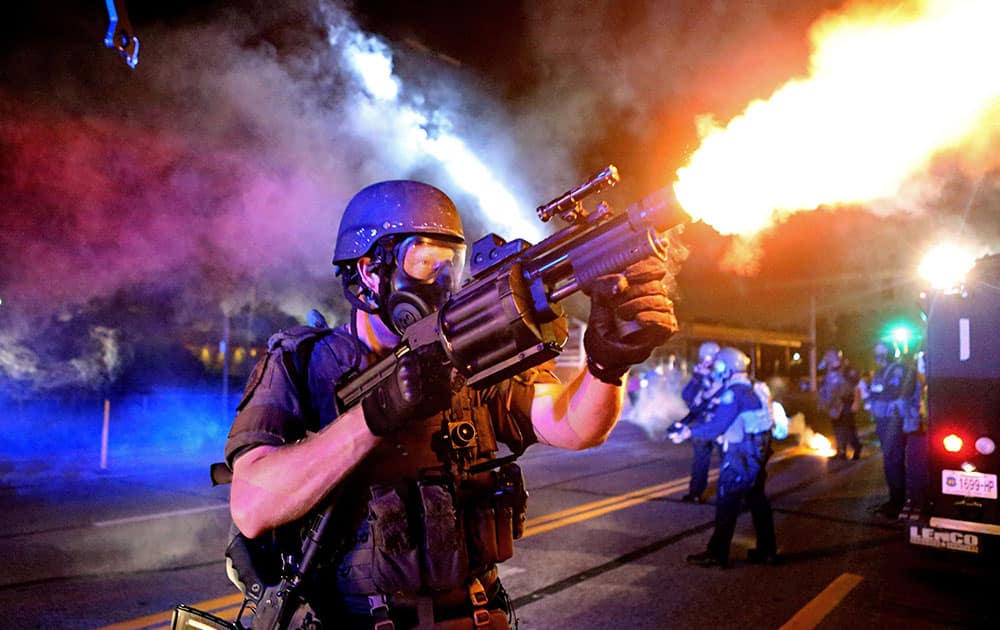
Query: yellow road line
{"x":594,"y":509}
{"x":812,"y":613}
{"x":218,"y":606}
{"x":586,"y":507}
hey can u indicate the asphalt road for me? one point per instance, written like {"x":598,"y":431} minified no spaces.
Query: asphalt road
{"x":605,"y":547}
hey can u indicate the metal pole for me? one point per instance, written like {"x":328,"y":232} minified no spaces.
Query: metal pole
{"x":104,"y":434}
{"x":224,"y":350}
{"x":812,"y":343}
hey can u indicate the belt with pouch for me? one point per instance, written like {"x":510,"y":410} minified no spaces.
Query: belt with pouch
{"x":476,"y":606}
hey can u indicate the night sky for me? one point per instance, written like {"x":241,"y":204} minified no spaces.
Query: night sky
{"x":214,"y":173}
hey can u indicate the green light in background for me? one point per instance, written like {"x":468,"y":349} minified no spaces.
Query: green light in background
{"x":901,"y":335}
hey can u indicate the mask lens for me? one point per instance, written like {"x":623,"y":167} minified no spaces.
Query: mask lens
{"x":425,"y":259}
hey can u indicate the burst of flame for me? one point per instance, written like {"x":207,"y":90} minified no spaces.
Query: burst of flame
{"x":889,"y":87}
{"x":821,"y":444}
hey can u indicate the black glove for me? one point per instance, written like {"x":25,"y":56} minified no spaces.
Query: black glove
{"x":419,"y":388}
{"x":639,"y":296}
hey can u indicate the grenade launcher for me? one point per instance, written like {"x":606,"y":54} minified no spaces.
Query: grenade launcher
{"x":507,"y":318}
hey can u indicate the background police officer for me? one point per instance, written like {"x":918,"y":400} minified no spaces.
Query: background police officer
{"x":743,"y":418}
{"x":419,"y":525}
{"x":699,"y":393}
{"x":894,"y":398}
{"x":836,"y":399}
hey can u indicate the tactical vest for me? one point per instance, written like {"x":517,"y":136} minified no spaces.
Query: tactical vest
{"x":887,"y":383}
{"x":425,"y":511}
{"x":750,"y":421}
{"x":888,"y":386}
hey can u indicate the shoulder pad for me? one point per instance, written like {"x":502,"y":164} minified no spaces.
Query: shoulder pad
{"x":292,"y":338}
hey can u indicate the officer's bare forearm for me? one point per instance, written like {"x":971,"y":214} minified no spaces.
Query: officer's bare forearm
{"x":578,"y":416}
{"x":273,"y":485}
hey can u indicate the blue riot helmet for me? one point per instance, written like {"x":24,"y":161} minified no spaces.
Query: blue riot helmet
{"x":832,"y":359}
{"x":707,"y":352}
{"x":881,"y":354}
{"x":729,"y":362}
{"x":412,"y":234}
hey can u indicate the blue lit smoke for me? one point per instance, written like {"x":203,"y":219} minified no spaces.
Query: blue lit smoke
{"x":165,"y":425}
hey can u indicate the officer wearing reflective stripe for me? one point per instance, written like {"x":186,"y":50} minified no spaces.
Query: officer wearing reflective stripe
{"x":744,"y":421}
{"x":422,"y":508}
{"x":699,"y":393}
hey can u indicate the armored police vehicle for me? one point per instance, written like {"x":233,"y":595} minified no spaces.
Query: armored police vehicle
{"x":961,"y":510}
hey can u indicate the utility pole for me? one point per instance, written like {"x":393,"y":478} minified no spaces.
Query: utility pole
{"x":812,"y":343}
{"x":224,"y":351}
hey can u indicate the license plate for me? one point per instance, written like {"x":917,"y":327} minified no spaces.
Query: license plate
{"x":974,"y":484}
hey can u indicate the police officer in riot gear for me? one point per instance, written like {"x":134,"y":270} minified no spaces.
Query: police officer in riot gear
{"x":894,"y":398}
{"x":422,"y":508}
{"x":836,"y":399}
{"x":743,"y":419}
{"x":699,"y":394}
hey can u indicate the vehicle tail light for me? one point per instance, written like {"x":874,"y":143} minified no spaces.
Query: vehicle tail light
{"x":952,"y":443}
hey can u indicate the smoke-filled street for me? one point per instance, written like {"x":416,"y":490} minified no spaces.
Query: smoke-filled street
{"x":604,"y":547}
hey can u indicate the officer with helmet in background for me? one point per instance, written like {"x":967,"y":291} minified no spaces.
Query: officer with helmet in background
{"x":894,"y":400}
{"x":699,"y":394}
{"x":743,"y":419}
{"x":836,"y":398}
{"x":421,"y":513}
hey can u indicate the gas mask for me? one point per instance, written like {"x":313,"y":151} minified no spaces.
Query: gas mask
{"x":424,"y":273}
{"x":720,"y":371}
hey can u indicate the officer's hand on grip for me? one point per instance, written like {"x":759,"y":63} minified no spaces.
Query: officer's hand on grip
{"x":680,"y":434}
{"x":419,"y":387}
{"x":638,"y":296}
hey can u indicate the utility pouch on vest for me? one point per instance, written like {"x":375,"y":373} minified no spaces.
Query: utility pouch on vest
{"x":499,"y":522}
{"x":504,"y":532}
{"x":484,"y":535}
{"x":395,"y":558}
{"x":446,"y":560}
